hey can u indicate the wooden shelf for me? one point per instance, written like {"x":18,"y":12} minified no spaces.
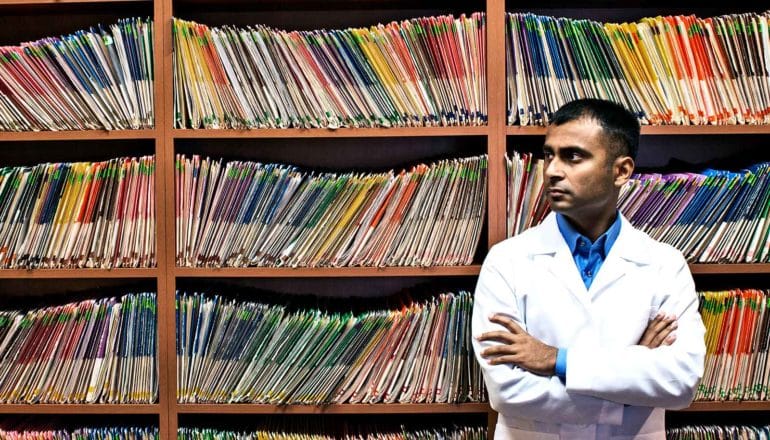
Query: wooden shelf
{"x":515,"y":130}
{"x":382,"y":408}
{"x":528,"y":130}
{"x":322,"y":272}
{"x":282,"y":272}
{"x":704,"y":129}
{"x":731,"y":269}
{"x":82,"y":408}
{"x":78,"y":273}
{"x":728,"y":406}
{"x":76,"y":135}
{"x":314,"y":5}
{"x":652,"y":6}
{"x":56,"y":2}
{"x":327,"y":133}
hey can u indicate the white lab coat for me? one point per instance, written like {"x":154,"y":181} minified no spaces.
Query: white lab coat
{"x":614,"y":388}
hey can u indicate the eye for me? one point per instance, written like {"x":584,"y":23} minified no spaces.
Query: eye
{"x":548,"y":155}
{"x":573,"y":156}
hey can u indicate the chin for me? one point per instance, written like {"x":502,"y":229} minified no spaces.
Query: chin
{"x":561,"y":207}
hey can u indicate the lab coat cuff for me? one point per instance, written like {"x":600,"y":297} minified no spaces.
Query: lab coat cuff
{"x":582,"y":370}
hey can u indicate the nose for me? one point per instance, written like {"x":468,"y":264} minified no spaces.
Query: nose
{"x":552,"y":170}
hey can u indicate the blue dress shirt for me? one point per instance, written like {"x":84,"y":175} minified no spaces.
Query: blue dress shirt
{"x":589,"y":257}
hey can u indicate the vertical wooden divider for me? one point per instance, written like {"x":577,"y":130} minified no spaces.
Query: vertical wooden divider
{"x":168,"y":238}
{"x":496,"y":106}
{"x":496,"y":109}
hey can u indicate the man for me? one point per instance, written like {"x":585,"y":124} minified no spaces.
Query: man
{"x":586,"y":328}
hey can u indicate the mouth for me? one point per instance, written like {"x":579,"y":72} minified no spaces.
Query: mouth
{"x":556,"y":192}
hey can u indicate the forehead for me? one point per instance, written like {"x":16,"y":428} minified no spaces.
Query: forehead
{"x":582,"y":133}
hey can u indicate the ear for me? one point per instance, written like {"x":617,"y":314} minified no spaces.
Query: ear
{"x":622,"y":170}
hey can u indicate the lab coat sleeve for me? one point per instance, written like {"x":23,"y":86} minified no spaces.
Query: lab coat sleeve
{"x":664,"y":377}
{"x":515,"y":392}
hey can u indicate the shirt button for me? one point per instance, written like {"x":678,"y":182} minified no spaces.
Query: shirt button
{"x":588,"y":273}
{"x":581,"y":243}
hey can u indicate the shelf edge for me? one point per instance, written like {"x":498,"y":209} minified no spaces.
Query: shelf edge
{"x":383,"y":408}
{"x":45,"y":408}
{"x":328,"y":133}
{"x":269,"y":272}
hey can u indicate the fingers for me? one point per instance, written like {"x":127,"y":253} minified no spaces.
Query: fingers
{"x":663,"y":335}
{"x":497,"y":336}
{"x":499,"y":350}
{"x":658,"y":331}
{"x":501,"y":360}
{"x":659,"y":325}
{"x":669,"y":340}
{"x":649,"y":332}
{"x":506,"y":322}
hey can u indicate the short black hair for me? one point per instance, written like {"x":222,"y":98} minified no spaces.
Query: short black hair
{"x":620,"y":126}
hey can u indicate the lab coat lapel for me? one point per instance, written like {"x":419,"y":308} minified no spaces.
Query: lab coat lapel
{"x":613,"y":269}
{"x":562,"y":267}
{"x":552,"y":251}
{"x":628,"y":252}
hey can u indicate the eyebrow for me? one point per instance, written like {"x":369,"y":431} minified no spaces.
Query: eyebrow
{"x":567,"y":148}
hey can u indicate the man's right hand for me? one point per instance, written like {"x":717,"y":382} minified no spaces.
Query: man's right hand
{"x":659,"y":331}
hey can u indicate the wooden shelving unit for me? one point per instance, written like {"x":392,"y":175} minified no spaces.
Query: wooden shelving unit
{"x":164,"y":137}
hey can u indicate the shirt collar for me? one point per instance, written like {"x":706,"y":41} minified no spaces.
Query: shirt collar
{"x":573,"y":237}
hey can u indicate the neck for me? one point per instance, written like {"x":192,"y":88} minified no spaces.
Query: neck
{"x":595,"y":225}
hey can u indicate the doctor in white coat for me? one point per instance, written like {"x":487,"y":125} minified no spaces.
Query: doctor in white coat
{"x":585,"y":327}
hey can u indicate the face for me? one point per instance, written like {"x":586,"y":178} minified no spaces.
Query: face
{"x":582,"y":179}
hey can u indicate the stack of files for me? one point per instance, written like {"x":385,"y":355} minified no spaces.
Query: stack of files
{"x":711,"y":432}
{"x":526,"y":203}
{"x":737,"y":341}
{"x":242,"y":213}
{"x":78,"y":215}
{"x":433,"y":433}
{"x":428,"y":71}
{"x":112,"y":433}
{"x":713,"y":217}
{"x":232,"y":351}
{"x":93,"y":351}
{"x":453,"y":432}
{"x":667,"y":70}
{"x":93,"y":79}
